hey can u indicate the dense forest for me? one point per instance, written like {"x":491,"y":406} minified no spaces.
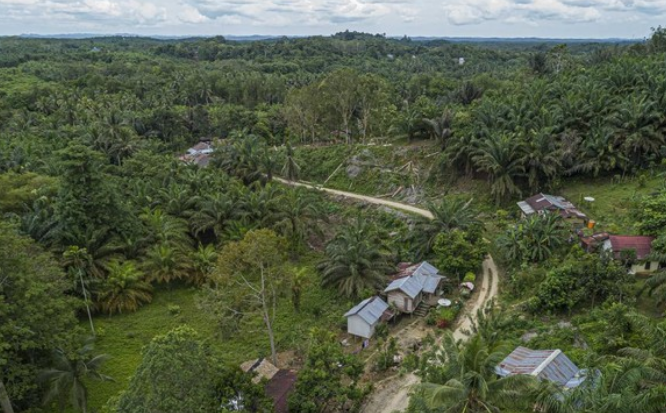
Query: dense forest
{"x":99,"y":218}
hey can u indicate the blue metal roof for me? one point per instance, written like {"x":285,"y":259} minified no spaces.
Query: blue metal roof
{"x":370,"y":310}
{"x":424,"y":277}
{"x":552,"y":365}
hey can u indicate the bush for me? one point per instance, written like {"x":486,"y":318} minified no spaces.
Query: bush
{"x":173,"y":309}
{"x":470,"y":277}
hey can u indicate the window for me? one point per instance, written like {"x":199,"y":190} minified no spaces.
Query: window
{"x":647,"y":266}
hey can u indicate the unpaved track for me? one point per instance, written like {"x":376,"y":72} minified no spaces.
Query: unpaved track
{"x":392,"y":393}
{"x":368,"y":199}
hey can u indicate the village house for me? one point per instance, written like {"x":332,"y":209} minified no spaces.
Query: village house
{"x":365,"y":316}
{"x":279,"y":383}
{"x":541,"y":203}
{"x":415,"y":284}
{"x":551,"y":365}
{"x":199,"y":154}
{"x":641,"y":246}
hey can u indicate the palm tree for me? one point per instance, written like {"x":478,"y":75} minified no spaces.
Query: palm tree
{"x":468,"y":93}
{"x":501,"y":157}
{"x":164,"y":263}
{"x":165,"y":228}
{"x":450,"y":213}
{"x":213,"y":212}
{"x":291,"y":169}
{"x":356,"y":260}
{"x":66,"y":378}
{"x":440,"y":127}
{"x":463,"y":379}
{"x":203,"y":263}
{"x":300,"y":213}
{"x":656,"y":287}
{"x":124,"y":289}
{"x":299,"y":282}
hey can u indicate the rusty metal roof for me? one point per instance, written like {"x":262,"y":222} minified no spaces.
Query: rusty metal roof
{"x":552,"y":365}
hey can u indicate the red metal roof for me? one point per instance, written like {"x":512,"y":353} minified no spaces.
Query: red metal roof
{"x":642,"y":245}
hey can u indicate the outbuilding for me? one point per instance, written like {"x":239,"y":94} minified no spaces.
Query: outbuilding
{"x":365,"y":316}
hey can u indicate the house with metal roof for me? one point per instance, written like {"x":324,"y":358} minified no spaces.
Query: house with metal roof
{"x":636,"y":249}
{"x":541,"y":203}
{"x":551,"y":365}
{"x":365,"y":316}
{"x":412,"y":285}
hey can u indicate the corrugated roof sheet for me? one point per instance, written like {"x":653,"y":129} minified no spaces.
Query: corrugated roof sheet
{"x":370,"y":310}
{"x":416,"y":278}
{"x":642,"y":245}
{"x":540,"y":202}
{"x":552,"y":365}
{"x":526,"y":208}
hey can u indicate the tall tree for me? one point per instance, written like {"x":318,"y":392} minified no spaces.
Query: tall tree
{"x":35,"y":314}
{"x":250,"y":277}
{"x":176,"y":374}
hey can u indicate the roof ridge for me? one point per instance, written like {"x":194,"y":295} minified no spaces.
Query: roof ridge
{"x":545,"y":363}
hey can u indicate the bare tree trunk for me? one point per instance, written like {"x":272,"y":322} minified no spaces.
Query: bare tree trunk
{"x":267,"y":319}
{"x":5,"y":403}
{"x":85,"y":297}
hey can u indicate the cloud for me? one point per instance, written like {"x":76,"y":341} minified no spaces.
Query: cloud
{"x":107,"y":12}
{"x":464,"y":12}
{"x":301,"y":12}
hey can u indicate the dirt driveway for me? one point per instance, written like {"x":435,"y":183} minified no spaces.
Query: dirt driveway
{"x":392,"y":394}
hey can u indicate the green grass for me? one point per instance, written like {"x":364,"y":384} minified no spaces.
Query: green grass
{"x":611,"y":209}
{"x":124,"y":336}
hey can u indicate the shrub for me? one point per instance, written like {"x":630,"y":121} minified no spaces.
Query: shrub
{"x":173,"y":309}
{"x":469,"y":277}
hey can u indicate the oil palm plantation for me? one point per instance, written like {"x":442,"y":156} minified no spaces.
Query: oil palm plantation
{"x":65,"y":380}
{"x":357,"y":260}
{"x":463,"y":380}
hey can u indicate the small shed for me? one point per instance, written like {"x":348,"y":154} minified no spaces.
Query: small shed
{"x":641,"y":245}
{"x":551,"y":365}
{"x":363,"y":318}
{"x":412,"y":285}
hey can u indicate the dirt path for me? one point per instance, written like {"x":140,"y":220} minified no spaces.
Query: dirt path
{"x":368,"y":199}
{"x":392,"y":394}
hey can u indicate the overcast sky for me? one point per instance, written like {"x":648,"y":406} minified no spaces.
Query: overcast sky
{"x":453,"y":18}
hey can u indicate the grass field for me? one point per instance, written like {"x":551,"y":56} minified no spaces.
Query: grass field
{"x":124,"y":336}
{"x":613,"y":200}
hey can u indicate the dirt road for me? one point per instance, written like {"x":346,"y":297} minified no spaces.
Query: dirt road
{"x":392,"y":394}
{"x":368,"y":199}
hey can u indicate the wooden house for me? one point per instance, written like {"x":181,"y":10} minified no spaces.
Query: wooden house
{"x":413,"y":285}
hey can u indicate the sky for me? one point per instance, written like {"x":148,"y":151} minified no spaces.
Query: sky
{"x":443,"y":18}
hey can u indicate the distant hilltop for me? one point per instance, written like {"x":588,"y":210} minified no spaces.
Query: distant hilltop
{"x":259,"y":37}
